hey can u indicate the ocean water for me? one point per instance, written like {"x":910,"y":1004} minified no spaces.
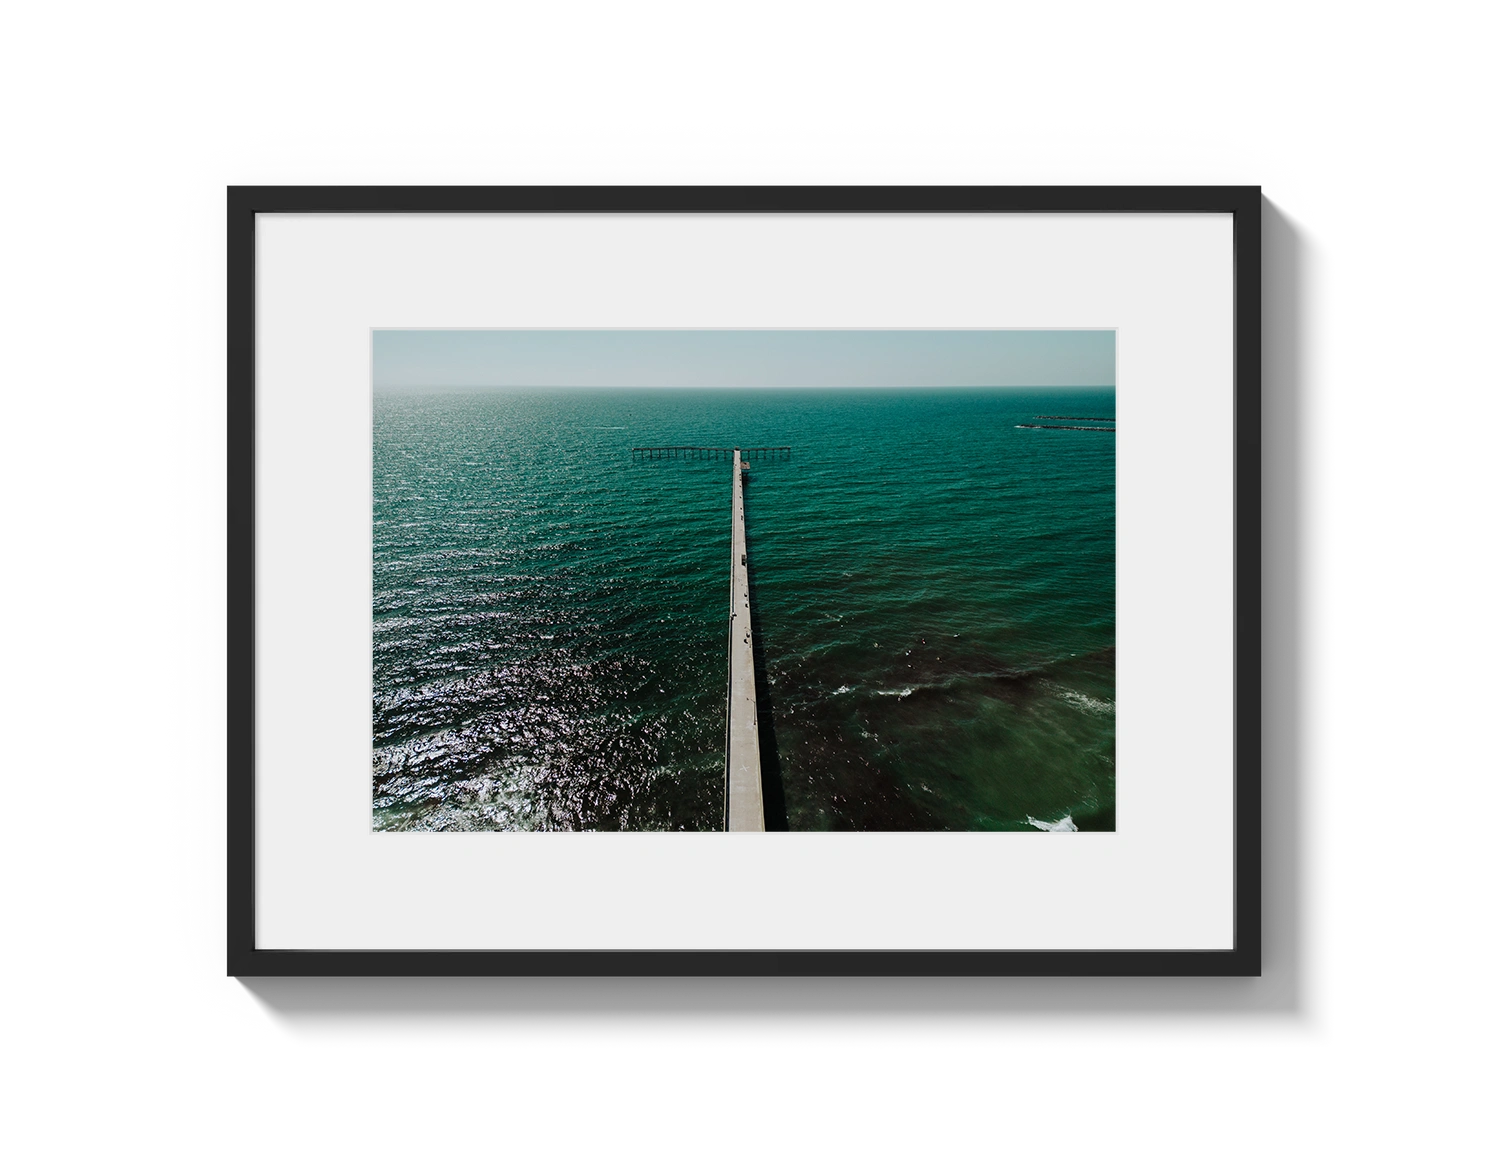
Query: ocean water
{"x":933,"y":592}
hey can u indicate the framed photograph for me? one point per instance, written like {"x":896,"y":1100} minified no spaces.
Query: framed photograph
{"x":744,"y":581}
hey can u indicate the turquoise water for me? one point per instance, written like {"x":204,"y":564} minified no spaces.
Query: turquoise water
{"x":934,"y":595}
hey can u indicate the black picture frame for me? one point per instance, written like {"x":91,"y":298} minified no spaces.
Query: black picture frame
{"x":323,"y":999}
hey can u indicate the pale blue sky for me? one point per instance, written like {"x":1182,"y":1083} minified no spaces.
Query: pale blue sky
{"x":423,"y":358}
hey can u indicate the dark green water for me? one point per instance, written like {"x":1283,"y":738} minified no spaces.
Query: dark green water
{"x":934,"y":596}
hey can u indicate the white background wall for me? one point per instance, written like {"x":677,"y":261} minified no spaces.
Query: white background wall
{"x":1371,"y":1039}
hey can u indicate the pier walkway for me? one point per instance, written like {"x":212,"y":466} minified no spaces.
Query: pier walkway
{"x":744,"y":805}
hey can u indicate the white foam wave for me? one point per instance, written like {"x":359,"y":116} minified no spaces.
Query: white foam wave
{"x":1065,"y":825}
{"x":1087,"y":703}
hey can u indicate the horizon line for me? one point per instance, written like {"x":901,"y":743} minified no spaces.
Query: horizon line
{"x":656,"y":386}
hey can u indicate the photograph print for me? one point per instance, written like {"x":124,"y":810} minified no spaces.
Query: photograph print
{"x":743,"y":580}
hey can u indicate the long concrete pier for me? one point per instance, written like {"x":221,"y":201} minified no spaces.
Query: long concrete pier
{"x":744,"y":805}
